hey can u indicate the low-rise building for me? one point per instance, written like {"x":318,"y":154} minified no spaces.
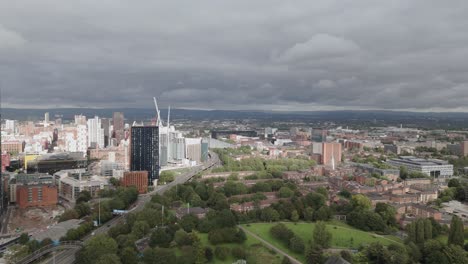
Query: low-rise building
{"x":139,"y":179}
{"x":72,"y":182}
{"x":432,"y":167}
{"x":36,"y":195}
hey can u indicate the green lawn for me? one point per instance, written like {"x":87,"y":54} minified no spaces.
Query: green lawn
{"x":343,"y":236}
{"x":444,"y":239}
{"x":251,"y":245}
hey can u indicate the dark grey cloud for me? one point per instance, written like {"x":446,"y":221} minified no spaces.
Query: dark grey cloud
{"x":265,"y":54}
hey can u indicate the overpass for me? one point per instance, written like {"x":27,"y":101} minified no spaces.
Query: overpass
{"x":66,"y":245}
{"x":69,"y":248}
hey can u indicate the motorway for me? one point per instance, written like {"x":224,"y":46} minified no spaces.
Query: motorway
{"x":68,"y":256}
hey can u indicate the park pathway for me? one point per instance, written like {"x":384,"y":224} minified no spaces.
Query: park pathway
{"x":293,"y":260}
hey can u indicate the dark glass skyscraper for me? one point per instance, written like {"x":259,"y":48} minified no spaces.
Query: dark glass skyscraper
{"x":144,"y":151}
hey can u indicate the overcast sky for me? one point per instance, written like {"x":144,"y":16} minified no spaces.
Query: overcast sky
{"x":252,"y":54}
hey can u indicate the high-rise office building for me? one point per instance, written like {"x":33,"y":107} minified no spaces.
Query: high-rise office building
{"x":95,"y":133}
{"x":105,"y":123}
{"x":144,"y":151}
{"x":118,"y":124}
{"x":464,"y":148}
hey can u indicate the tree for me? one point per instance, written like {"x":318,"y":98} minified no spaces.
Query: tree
{"x":309,"y":214}
{"x":285,"y":192}
{"x":324,"y":213}
{"x":189,"y":222}
{"x":314,"y":255}
{"x":23,"y":239}
{"x":160,"y":237}
{"x":182,"y":238}
{"x":108,"y":259}
{"x":296,"y":244}
{"x":427,"y":229}
{"x":221,"y":252}
{"x":128,"y":256}
{"x":321,"y":235}
{"x":323,"y":191}
{"x":361,"y":202}
{"x":83,"y":197}
{"x":46,"y":241}
{"x":96,"y":247}
{"x":294,"y":216}
{"x":454,"y":183}
{"x":269,"y":215}
{"x":456,"y":232}
{"x":159,"y":256}
{"x":286,"y":260}
{"x":208,"y":254}
{"x":167,"y":176}
{"x":315,"y":200}
{"x":140,"y":228}
{"x":82,"y":209}
{"x":69,"y":214}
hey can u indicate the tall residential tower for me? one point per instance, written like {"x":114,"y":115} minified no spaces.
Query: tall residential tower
{"x":144,"y":151}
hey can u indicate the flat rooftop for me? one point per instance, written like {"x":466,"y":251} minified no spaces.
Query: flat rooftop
{"x":420,"y":162}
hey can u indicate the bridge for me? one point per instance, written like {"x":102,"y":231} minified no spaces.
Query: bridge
{"x":50,"y":248}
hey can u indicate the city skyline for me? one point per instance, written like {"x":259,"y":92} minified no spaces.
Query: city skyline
{"x":324,"y":55}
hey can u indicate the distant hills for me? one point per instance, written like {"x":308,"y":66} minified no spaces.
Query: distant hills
{"x":420,"y":119}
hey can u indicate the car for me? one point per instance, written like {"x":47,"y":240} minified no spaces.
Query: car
{"x":108,"y":225}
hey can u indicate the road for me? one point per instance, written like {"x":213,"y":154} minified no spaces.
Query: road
{"x":68,"y":256}
{"x":5,"y":219}
{"x":266,"y":243}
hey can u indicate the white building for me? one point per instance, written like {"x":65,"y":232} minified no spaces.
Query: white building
{"x":432,"y":167}
{"x":95,"y":133}
{"x":193,"y":149}
{"x":82,"y":138}
{"x":10,"y":125}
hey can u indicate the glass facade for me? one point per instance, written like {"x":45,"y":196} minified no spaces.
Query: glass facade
{"x":144,"y":151}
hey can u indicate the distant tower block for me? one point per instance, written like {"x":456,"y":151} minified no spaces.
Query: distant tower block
{"x":46,"y":119}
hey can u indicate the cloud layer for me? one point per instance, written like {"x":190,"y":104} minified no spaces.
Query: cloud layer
{"x":265,"y":54}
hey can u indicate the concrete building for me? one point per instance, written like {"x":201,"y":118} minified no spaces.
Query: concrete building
{"x":46,"y":119}
{"x":464,"y":148}
{"x":82,"y":138}
{"x":80,"y":120}
{"x":331,"y":154}
{"x":72,"y":182}
{"x":11,"y":126}
{"x":119,"y":126}
{"x":95,"y":133}
{"x":139,"y":179}
{"x":432,"y":167}
{"x":193,"y":149}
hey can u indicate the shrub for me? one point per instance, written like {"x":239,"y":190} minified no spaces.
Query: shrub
{"x":221,"y":252}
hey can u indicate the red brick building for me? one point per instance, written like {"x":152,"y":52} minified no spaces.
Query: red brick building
{"x":139,"y":179}
{"x":36,"y":195}
{"x":5,"y":161}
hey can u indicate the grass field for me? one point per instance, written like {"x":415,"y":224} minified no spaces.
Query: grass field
{"x":343,"y":236}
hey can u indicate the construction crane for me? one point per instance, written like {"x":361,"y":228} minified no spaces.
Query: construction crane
{"x":159,"y":121}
